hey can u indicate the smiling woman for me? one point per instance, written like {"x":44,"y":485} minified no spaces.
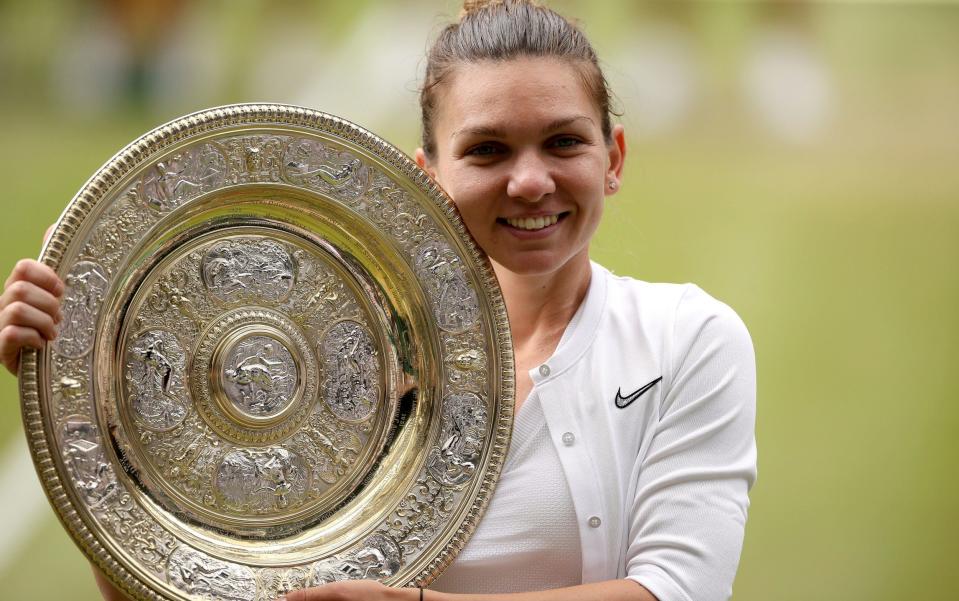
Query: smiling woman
{"x":633,"y":447}
{"x":633,"y":450}
{"x":520,"y":147}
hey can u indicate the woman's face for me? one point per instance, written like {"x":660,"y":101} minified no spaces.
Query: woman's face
{"x":520,"y":148}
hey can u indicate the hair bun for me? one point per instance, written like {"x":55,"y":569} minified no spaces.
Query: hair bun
{"x":474,"y":6}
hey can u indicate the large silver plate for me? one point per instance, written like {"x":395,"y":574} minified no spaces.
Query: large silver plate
{"x":283,"y":362}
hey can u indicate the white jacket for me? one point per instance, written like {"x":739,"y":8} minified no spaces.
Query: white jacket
{"x":659,"y":486}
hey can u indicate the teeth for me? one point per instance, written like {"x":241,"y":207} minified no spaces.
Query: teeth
{"x":533,"y":223}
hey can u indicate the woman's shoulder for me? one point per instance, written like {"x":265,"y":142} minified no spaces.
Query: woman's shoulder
{"x":684,"y":309}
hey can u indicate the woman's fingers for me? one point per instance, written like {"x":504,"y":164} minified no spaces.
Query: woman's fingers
{"x":33,"y":295}
{"x":29,"y":310}
{"x":22,"y":325}
{"x":28,"y":270}
{"x":24,"y":315}
{"x":12,"y":339}
{"x":353,"y":590}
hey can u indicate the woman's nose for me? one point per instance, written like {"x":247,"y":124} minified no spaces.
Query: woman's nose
{"x":530,"y":178}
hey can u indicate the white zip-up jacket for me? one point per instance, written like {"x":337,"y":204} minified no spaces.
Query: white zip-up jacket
{"x":658,"y":474}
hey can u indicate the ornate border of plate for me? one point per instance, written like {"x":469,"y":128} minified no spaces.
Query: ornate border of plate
{"x":444,"y":435}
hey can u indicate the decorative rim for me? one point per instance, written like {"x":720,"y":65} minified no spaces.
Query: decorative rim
{"x":40,"y":425}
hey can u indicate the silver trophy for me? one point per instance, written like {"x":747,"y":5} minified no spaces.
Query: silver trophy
{"x":283,"y":362}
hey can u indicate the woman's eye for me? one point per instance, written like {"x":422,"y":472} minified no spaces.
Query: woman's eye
{"x":565,"y":142}
{"x":484,"y":150}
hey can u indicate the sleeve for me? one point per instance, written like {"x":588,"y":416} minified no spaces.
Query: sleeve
{"x":687,"y":517}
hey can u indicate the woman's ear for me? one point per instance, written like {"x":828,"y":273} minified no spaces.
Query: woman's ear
{"x":424,"y":162}
{"x":617,"y":158}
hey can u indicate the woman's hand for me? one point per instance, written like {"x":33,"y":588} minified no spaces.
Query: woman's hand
{"x":362,"y":590}
{"x":354,"y":590}
{"x":29,"y":310}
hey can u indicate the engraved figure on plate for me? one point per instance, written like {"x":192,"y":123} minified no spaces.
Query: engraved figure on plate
{"x":70,"y":385}
{"x":248,"y":268}
{"x":328,"y":570}
{"x":121,"y":227}
{"x":274,"y":582}
{"x":155,"y":368}
{"x":208,"y":578}
{"x":84,"y":458}
{"x":254,"y":158}
{"x":260,"y":376}
{"x":309,"y":163}
{"x":183,"y":176}
{"x":396,"y":212}
{"x":87,"y":284}
{"x":464,"y":365}
{"x":262,"y":480}
{"x":351,"y":387}
{"x":454,"y":301}
{"x":379,"y":557}
{"x":461,"y":439}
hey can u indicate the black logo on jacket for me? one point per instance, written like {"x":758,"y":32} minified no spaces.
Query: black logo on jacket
{"x":625,"y":401}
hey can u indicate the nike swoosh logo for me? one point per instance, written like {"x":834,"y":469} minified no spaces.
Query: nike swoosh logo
{"x":625,"y":401}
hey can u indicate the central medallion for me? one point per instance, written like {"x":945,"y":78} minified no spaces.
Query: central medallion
{"x":263,"y":376}
{"x":258,"y":375}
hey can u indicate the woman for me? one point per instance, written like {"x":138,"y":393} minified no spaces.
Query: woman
{"x":633,"y":447}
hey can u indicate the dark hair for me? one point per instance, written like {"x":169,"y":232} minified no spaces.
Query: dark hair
{"x":500,"y":30}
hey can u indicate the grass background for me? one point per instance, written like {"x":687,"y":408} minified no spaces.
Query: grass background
{"x":839,"y":252}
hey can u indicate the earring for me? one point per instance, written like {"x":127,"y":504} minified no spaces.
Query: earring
{"x":612,"y":184}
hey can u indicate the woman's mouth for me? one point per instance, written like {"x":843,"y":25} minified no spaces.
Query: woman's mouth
{"x":531,"y":224}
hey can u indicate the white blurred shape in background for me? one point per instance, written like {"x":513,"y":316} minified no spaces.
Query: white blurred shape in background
{"x":369,"y":77}
{"x":788,"y":87}
{"x":295,"y":53}
{"x":22,"y":497}
{"x":188,"y":69}
{"x":661,"y":80}
{"x":89,"y":68}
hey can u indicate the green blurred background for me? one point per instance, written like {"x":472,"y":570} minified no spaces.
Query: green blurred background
{"x":799,"y":160}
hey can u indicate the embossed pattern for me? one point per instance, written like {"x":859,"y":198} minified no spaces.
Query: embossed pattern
{"x":260,"y":375}
{"x":261,"y":480}
{"x":453,"y":299}
{"x":86,"y":284}
{"x":248,"y":270}
{"x":202,"y":576}
{"x":351,"y":387}
{"x":85,"y":460}
{"x":155,"y":380}
{"x":461,"y":440}
{"x":184,"y":175}
{"x":311,"y":164}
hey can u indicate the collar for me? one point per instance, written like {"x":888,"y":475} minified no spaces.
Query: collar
{"x":580,"y":332}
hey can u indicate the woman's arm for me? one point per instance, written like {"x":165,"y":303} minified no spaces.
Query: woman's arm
{"x":688,"y":515}
{"x":369,"y":590}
